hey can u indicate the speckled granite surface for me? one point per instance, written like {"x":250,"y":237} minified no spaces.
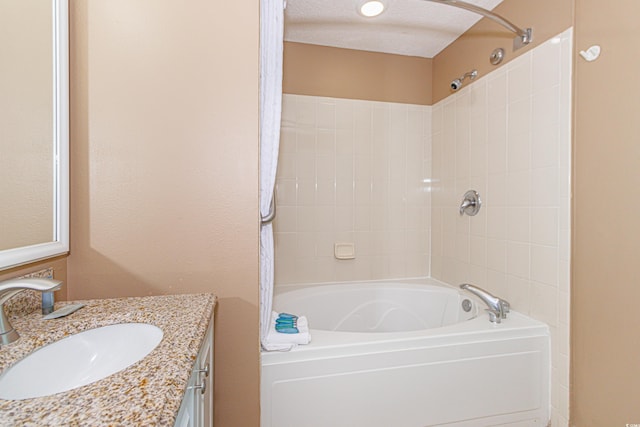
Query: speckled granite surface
{"x":147,"y":393}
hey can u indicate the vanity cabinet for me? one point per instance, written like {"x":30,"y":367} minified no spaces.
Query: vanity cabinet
{"x":196,"y":409}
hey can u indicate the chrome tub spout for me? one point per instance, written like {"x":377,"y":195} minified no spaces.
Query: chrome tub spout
{"x":498,"y":308}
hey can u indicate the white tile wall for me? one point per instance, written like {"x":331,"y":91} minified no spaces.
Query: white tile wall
{"x":352,"y":172}
{"x":508,"y":136}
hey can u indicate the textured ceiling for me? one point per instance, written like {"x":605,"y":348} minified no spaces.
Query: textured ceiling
{"x":406,"y":27}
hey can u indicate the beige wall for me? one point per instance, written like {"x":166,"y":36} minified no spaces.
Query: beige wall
{"x":606,"y":337}
{"x":547,"y":18}
{"x":355,"y":74}
{"x":164,"y":168}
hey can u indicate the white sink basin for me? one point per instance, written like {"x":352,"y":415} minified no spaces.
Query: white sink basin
{"x":79,"y":360}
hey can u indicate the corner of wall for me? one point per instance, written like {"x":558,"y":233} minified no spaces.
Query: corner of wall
{"x":471,"y":51}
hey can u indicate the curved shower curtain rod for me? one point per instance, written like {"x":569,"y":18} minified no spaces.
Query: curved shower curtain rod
{"x":525,"y":36}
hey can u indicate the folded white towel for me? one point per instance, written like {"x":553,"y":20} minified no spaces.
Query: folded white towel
{"x":284,"y":342}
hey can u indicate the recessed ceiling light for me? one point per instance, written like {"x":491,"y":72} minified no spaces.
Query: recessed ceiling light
{"x":372,"y":8}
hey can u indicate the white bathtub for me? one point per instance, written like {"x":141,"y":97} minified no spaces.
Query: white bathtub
{"x":405,"y":354}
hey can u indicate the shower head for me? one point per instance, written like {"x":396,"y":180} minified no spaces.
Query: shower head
{"x":457,"y":83}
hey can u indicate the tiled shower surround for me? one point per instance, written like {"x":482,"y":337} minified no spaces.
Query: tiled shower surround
{"x":390,"y":178}
{"x":352,"y":172}
{"x":508,"y":136}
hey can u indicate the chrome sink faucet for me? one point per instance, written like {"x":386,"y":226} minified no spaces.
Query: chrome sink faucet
{"x":498,"y":308}
{"x":8,"y":289}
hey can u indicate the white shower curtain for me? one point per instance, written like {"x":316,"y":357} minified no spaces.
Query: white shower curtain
{"x":271,"y":47}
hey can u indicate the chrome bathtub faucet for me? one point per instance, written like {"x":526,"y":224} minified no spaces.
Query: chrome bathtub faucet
{"x":8,"y":289}
{"x":498,"y":308}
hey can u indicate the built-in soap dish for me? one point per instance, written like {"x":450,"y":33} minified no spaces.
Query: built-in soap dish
{"x":344,"y":251}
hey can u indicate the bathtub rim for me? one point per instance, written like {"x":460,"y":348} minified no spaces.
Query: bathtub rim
{"x":405,"y":280}
{"x":338,"y":344}
{"x":387,"y":285}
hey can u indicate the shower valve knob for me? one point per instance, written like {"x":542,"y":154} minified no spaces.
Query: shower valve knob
{"x":470,"y":203}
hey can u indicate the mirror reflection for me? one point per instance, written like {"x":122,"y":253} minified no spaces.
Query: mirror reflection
{"x":26,"y":123}
{"x":34,"y":130}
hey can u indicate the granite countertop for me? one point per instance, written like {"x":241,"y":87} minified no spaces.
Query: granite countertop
{"x":148,"y":393}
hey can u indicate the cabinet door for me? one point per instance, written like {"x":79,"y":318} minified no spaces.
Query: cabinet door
{"x":206,"y":377}
{"x":187,"y":415}
{"x":196,"y":409}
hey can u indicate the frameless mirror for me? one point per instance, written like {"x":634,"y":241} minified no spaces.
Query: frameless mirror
{"x":34,"y":130}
